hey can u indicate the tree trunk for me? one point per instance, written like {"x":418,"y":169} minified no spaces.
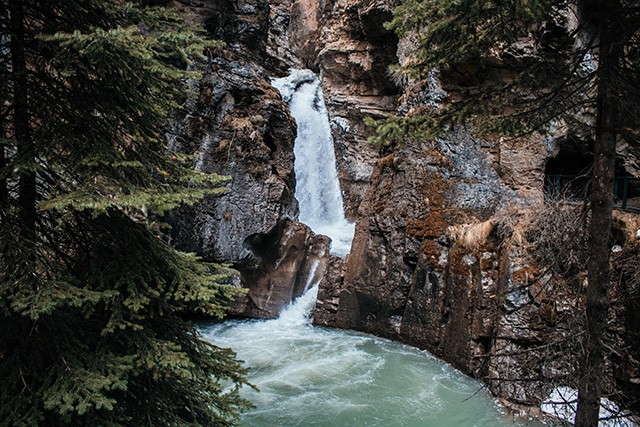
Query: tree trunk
{"x":4,"y":194}
{"x":4,"y":102}
{"x":597,"y":297}
{"x":27,"y":189}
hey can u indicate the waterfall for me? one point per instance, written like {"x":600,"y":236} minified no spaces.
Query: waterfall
{"x":317,"y":186}
{"x":312,"y":274}
{"x":298,"y":312}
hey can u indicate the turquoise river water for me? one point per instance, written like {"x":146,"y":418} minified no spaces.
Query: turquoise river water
{"x":311,"y":376}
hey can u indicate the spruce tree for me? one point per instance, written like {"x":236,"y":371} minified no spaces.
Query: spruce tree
{"x":93,"y":301}
{"x":525,"y":66}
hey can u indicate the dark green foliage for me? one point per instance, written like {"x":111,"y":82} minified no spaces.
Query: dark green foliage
{"x":510,"y":67}
{"x":92,"y":299}
{"x":455,"y":31}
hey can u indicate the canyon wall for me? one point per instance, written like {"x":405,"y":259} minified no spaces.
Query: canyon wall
{"x":456,"y":250}
{"x":443,"y":256}
{"x":428,"y":267}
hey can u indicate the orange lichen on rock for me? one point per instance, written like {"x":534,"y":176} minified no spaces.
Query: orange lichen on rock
{"x":433,"y":222}
{"x":488,"y":263}
{"x":457,"y":266}
{"x":382,"y":197}
{"x":431,"y":226}
{"x":386,"y":189}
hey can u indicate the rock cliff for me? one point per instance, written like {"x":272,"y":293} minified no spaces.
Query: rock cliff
{"x":455,"y":251}
{"x":427,"y":266}
{"x":236,"y":124}
{"x":449,"y":248}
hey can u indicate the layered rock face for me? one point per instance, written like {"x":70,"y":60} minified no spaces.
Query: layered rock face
{"x":438,"y":260}
{"x":413,"y":276}
{"x":446,"y":258}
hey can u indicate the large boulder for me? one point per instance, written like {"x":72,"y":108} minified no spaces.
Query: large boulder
{"x":284,"y":263}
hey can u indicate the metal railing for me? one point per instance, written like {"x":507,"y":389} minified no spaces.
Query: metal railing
{"x":576,"y":184}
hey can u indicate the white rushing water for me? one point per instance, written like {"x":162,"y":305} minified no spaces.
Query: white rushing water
{"x":317,"y":186}
{"x":310,"y":376}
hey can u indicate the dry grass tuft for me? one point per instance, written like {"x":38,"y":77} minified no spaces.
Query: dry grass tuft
{"x":471,"y":236}
{"x":553,"y":232}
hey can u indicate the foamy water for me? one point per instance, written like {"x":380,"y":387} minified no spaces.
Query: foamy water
{"x":310,"y":376}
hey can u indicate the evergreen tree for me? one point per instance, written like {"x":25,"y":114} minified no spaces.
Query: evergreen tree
{"x":92,"y":299}
{"x":526,"y":66}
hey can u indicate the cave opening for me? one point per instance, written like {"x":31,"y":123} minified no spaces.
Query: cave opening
{"x":568,"y":175}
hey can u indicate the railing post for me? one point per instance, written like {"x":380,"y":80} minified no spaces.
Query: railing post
{"x":625,"y":188}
